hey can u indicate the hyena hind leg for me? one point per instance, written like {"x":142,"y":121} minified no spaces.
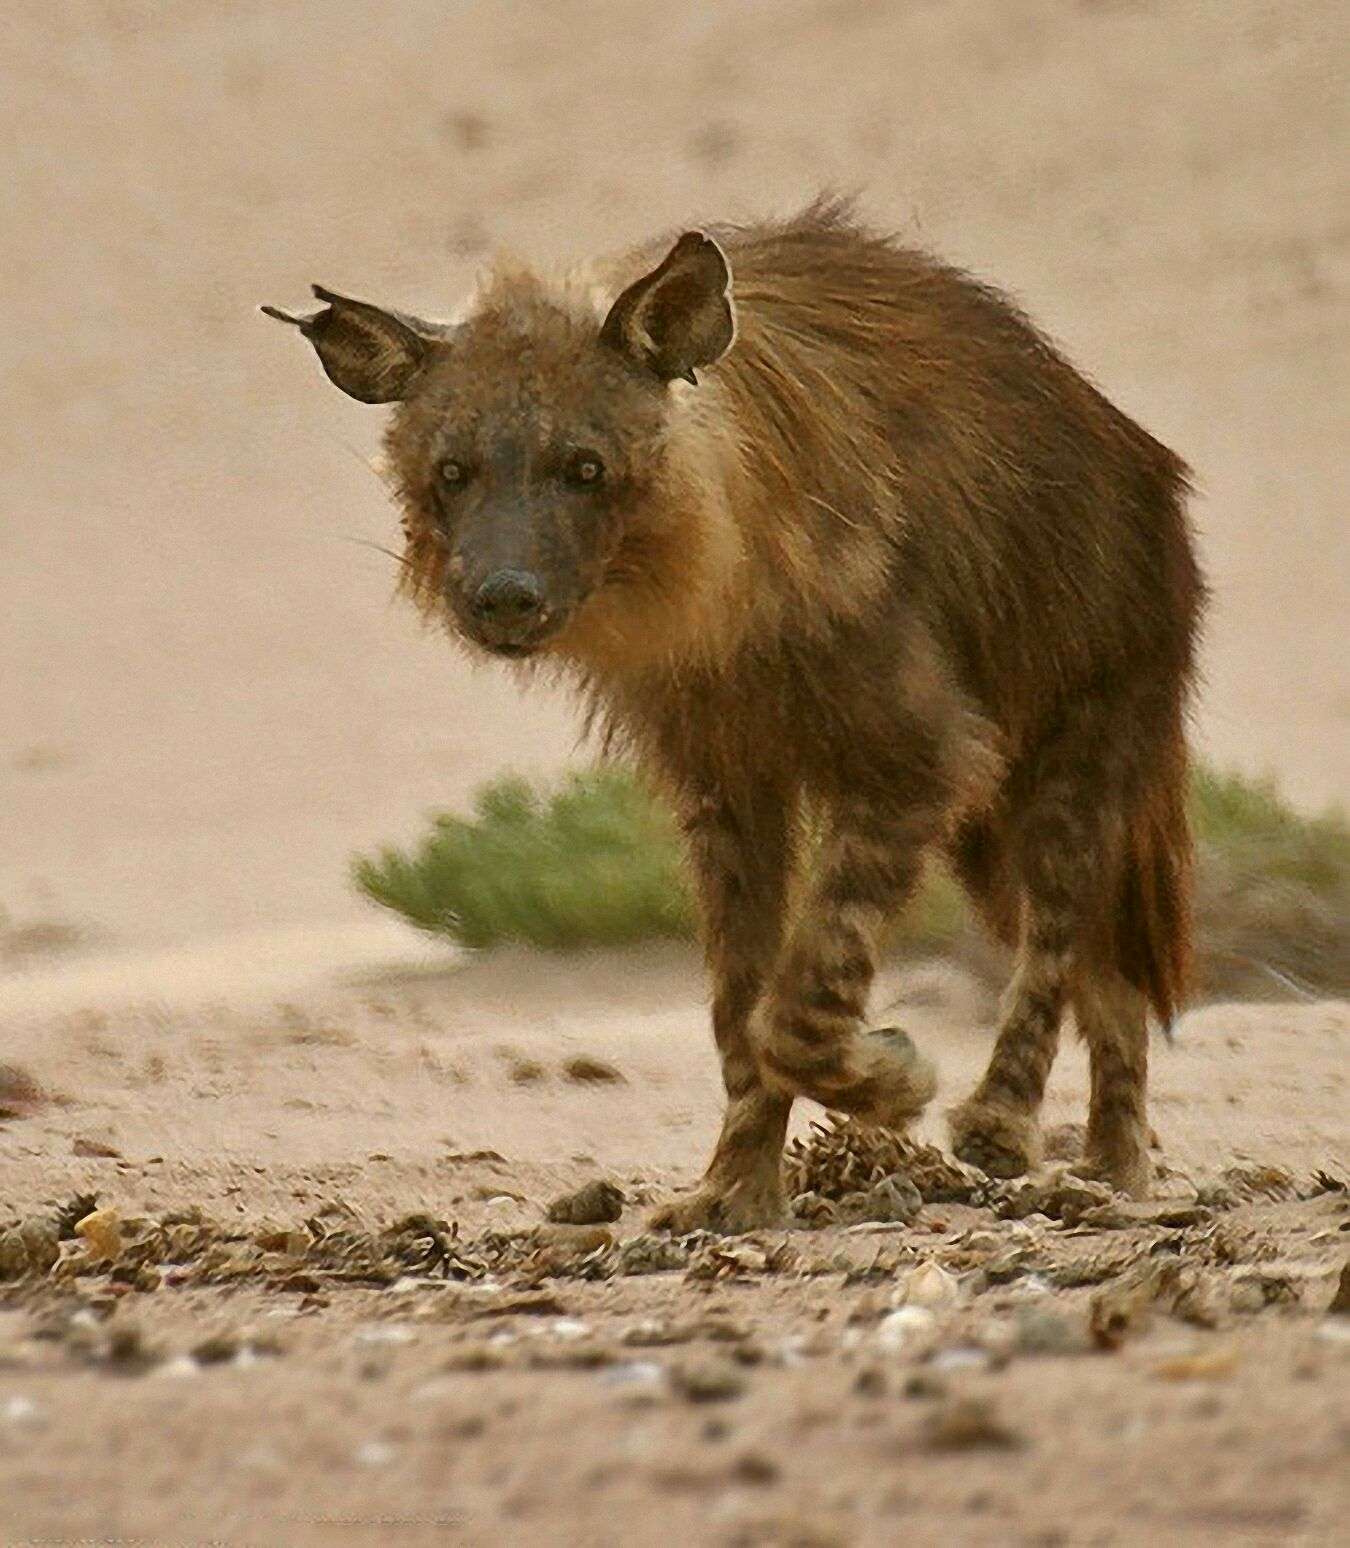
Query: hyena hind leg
{"x":997,"y":1128}
{"x":1113,"y":1020}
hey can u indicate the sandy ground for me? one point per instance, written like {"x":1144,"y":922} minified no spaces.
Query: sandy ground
{"x":207,"y":705}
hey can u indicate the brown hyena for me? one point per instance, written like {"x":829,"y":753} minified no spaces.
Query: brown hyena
{"x":830,"y":537}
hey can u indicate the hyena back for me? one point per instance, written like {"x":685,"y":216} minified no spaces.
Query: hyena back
{"x":824,"y":530}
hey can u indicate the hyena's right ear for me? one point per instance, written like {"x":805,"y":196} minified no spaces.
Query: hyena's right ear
{"x":373,"y":355}
{"x":679,"y":316}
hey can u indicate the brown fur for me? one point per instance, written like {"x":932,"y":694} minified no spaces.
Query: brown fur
{"x":894,"y":562}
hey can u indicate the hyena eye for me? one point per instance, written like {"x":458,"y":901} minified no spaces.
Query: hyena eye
{"x":585,"y":468}
{"x":453,"y":473}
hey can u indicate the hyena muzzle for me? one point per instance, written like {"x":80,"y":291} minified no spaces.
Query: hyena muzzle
{"x":835,"y":543}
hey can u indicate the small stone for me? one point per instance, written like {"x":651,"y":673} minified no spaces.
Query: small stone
{"x":217,"y":1349}
{"x":101,"y":1232}
{"x":1255,"y":1289}
{"x":961,"y":1357}
{"x":967,"y":1424}
{"x":1340,"y":1301}
{"x":651,"y":1334}
{"x":588,"y":1071}
{"x":708,"y":1381}
{"x":1202,"y":1365}
{"x":925,"y":1384}
{"x":94,"y":1149}
{"x":932,"y":1286}
{"x":1117,"y":1311}
{"x":906,"y":1328}
{"x":126,"y":1349}
{"x":753,"y":1467}
{"x":870,"y":1382}
{"x":1043,"y":1330}
{"x":596,"y":1203}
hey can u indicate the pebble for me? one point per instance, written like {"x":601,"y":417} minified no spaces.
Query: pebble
{"x":962,"y":1357}
{"x":930,"y":1285}
{"x":905,"y":1328}
{"x":597,"y":1203}
{"x":708,"y":1381}
{"x":634,"y":1373}
{"x":384,"y":1333}
{"x":1201,"y":1365}
{"x":967,"y":1424}
{"x":569,"y":1328}
{"x":1041,"y":1330}
{"x":19,"y":1410}
{"x":101,"y":1233}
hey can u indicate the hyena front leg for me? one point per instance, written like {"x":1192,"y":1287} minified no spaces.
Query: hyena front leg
{"x":809,"y":1033}
{"x":741,"y":858}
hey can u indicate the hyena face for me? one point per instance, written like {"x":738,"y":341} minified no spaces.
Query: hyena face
{"x":527,"y":439}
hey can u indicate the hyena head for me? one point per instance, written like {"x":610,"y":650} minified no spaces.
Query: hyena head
{"x":529,"y":442}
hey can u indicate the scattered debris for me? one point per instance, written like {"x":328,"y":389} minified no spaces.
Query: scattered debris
{"x":1340,"y":1301}
{"x":1057,"y":1195}
{"x":30,"y":1246}
{"x":839,"y":1158}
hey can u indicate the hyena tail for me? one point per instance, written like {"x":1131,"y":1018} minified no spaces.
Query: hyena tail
{"x":1152,"y":912}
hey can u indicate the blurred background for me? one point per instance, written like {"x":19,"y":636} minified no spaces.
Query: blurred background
{"x":207,"y":701}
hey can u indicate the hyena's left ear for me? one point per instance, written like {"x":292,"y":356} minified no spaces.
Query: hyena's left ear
{"x":679,"y":316}
{"x":371,"y":354}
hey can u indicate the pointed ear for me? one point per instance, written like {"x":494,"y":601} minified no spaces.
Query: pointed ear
{"x":679,"y":316}
{"x":371,"y":354}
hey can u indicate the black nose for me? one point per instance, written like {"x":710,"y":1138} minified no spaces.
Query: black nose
{"x":509,"y":598}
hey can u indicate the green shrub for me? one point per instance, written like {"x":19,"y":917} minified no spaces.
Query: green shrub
{"x":596,"y":862}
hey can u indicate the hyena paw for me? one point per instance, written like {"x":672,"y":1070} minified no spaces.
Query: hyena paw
{"x":1001,"y":1141}
{"x":730,"y":1209}
{"x":1127,"y":1169}
{"x":904,"y":1082}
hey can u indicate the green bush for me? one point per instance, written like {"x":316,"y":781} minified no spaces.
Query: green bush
{"x":596,"y":862}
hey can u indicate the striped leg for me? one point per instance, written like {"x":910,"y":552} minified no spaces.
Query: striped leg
{"x":997,"y":1128}
{"x":1056,"y":861}
{"x":809,"y":1033}
{"x":1112,"y":1018}
{"x":741,"y":856}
